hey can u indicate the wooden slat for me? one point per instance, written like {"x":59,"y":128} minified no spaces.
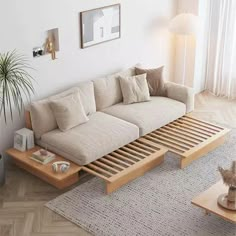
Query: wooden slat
{"x":137,"y":165}
{"x":123,"y":158}
{"x":95,"y":173}
{"x":144,"y":146}
{"x":189,"y":127}
{"x":118,"y":167}
{"x":129,"y":155}
{"x":111,"y":169}
{"x":209,"y":141}
{"x":134,"y":172}
{"x":176,"y":137}
{"x":172,"y":139}
{"x":100,"y":170}
{"x":198,"y":126}
{"x":112,"y":158}
{"x":203,"y":124}
{"x":148,"y":142}
{"x":171,"y":148}
{"x":134,"y":153}
{"x":138,"y":149}
{"x":188,"y":132}
{"x":179,"y":135}
{"x":115,"y":160}
{"x":173,"y":144}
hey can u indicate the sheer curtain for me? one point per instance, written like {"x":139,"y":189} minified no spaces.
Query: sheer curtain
{"x":221,"y":55}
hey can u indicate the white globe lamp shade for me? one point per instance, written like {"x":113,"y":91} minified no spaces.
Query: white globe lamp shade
{"x":185,"y":23}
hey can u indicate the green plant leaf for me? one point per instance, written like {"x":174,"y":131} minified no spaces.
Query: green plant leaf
{"x":15,"y":83}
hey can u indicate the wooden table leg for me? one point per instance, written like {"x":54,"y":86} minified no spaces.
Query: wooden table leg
{"x":207,"y":213}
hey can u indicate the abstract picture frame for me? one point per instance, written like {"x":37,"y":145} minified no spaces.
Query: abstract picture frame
{"x":100,"y":25}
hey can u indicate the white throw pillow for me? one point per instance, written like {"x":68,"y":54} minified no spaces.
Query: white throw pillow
{"x":68,"y":111}
{"x":134,"y":89}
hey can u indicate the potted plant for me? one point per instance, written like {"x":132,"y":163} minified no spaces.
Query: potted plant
{"x":15,"y":87}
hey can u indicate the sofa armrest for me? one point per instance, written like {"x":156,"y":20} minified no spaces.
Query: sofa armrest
{"x":182,"y":94}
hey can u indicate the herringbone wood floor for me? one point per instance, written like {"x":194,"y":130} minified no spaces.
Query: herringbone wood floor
{"x":22,"y":211}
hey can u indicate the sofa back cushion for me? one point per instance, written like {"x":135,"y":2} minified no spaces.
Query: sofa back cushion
{"x":86,"y":91}
{"x":134,"y":89}
{"x":42,"y":117}
{"x":108,"y":91}
{"x":68,"y":111}
{"x":155,"y":80}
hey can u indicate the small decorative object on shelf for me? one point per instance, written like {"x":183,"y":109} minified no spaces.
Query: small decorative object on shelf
{"x":43,"y":152}
{"x":60,"y":166}
{"x":23,"y":139}
{"x":228,"y":200}
{"x":43,"y":156}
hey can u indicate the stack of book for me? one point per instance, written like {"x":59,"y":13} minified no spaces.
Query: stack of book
{"x":42,"y":156}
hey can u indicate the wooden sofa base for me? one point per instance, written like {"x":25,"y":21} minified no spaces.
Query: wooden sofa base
{"x":45,"y":172}
{"x":187,"y":160}
{"x":127,"y":163}
{"x":188,"y":137}
{"x":139,"y":171}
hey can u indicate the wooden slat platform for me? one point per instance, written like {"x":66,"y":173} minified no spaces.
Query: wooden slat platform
{"x":127,"y":163}
{"x":188,"y":137}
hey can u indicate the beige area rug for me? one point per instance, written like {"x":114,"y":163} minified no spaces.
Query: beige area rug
{"x":157,"y":203}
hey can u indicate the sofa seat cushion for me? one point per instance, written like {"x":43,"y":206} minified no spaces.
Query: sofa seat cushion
{"x":85,"y":143}
{"x":149,"y":116}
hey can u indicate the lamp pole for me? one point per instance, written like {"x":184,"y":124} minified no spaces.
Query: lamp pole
{"x":185,"y":55}
{"x":184,"y":24}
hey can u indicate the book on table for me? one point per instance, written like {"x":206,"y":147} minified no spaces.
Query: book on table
{"x":43,"y":159}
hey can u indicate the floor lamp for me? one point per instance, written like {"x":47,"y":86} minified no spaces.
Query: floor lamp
{"x":184,"y":24}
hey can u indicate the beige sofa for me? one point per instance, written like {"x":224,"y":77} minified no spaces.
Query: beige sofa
{"x":111,"y":124}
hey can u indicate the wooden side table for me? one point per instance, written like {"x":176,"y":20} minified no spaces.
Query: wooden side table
{"x":208,"y":201}
{"x":45,"y":172}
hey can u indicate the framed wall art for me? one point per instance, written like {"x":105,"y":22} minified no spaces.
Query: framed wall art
{"x":99,"y":25}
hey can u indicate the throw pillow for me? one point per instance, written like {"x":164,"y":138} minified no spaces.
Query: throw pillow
{"x":134,"y":89}
{"x":68,"y":111}
{"x":155,"y":80}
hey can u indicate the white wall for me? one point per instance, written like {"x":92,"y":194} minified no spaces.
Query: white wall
{"x":144,"y":38}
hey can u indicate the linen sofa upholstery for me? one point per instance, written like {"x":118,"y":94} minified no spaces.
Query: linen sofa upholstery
{"x":108,"y":91}
{"x":150,"y":115}
{"x":101,"y":135}
{"x":182,"y":94}
{"x":111,"y":124}
{"x":42,"y":116}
